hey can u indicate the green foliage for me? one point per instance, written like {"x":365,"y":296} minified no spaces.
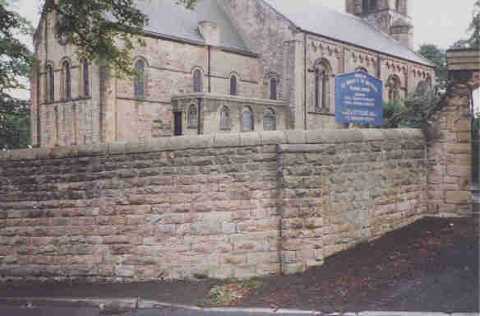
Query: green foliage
{"x":189,"y":4}
{"x":15,"y":128}
{"x":231,"y":292}
{"x":15,"y":66}
{"x":439,"y":58}
{"x":473,"y":32}
{"x":104,"y":31}
{"x":391,"y":111}
{"x":415,"y":112}
{"x":474,"y":29}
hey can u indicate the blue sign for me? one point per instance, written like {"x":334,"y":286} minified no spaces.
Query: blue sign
{"x":359,"y":99}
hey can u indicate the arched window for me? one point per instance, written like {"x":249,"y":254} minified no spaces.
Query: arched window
{"x":192,"y":116}
{"x":225,"y":119}
{"x":273,"y":88}
{"x":269,"y":120}
{"x":50,"y":93}
{"x":393,"y":88}
{"x":85,"y":78}
{"x":369,"y":6}
{"x":362,"y":69}
{"x":322,"y":86}
{"x":421,"y":87}
{"x":139,"y":84}
{"x":66,"y":81}
{"x":233,"y":85}
{"x":197,"y":81}
{"x":247,"y":120}
{"x":428,"y":81}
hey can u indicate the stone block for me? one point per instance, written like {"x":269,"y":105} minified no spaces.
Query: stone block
{"x":459,"y":170}
{"x":273,"y":138}
{"x":458,"y":197}
{"x":296,"y":137}
{"x":124,"y":271}
{"x":250,"y":139}
{"x":459,"y":148}
{"x":227,"y":140}
{"x":462,"y":124}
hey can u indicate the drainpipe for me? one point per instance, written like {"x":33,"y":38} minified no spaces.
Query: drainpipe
{"x":199,"y":116}
{"x":209,"y":69}
{"x":39,"y":102}
{"x":305,"y":80}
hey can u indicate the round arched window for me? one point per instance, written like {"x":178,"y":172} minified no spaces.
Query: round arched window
{"x":225,"y":119}
{"x":139,"y":84}
{"x":192,"y":116}
{"x":269,"y":120}
{"x":247,"y":120}
{"x":197,"y":81}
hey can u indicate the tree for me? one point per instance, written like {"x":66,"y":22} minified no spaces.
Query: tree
{"x":105,"y":31}
{"x":16,"y":60}
{"x":474,"y":29}
{"x":473,"y":40}
{"x":439,"y":58}
{"x":416,"y":111}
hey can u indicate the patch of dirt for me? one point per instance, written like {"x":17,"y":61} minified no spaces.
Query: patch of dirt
{"x":432,"y":265}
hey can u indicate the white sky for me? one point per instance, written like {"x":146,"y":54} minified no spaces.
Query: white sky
{"x":440,"y":22}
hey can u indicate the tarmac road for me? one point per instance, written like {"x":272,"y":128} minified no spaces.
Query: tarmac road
{"x":52,"y":310}
{"x":87,"y":311}
{"x":48,"y":311}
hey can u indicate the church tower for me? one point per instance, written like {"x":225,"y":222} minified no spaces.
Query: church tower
{"x":389,"y":16}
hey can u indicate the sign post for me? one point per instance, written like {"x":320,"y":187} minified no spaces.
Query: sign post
{"x":359,"y":99}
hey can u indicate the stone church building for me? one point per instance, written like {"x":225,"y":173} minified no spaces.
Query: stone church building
{"x":225,"y":66}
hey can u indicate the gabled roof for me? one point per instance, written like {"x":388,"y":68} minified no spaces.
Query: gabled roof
{"x":311,"y":16}
{"x":168,"y":19}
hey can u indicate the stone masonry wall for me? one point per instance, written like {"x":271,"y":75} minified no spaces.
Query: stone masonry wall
{"x":232,"y":205}
{"x":451,"y":155}
{"x":341,"y":188}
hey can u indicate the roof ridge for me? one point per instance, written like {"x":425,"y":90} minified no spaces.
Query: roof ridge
{"x":388,"y":36}
{"x":408,"y":54}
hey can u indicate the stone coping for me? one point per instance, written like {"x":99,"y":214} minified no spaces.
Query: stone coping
{"x":229,"y":98}
{"x":463,"y":59}
{"x":321,"y":136}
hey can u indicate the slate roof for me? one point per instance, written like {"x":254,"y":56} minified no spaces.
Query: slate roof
{"x":168,"y":19}
{"x":311,"y":16}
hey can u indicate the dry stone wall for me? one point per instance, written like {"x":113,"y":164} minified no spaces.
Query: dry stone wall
{"x":235,"y":205}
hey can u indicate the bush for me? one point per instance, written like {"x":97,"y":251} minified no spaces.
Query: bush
{"x":416,"y":111}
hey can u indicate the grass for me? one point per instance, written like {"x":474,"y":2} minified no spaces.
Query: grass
{"x":231,"y":292}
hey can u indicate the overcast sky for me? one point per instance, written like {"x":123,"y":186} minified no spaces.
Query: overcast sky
{"x":441,"y":22}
